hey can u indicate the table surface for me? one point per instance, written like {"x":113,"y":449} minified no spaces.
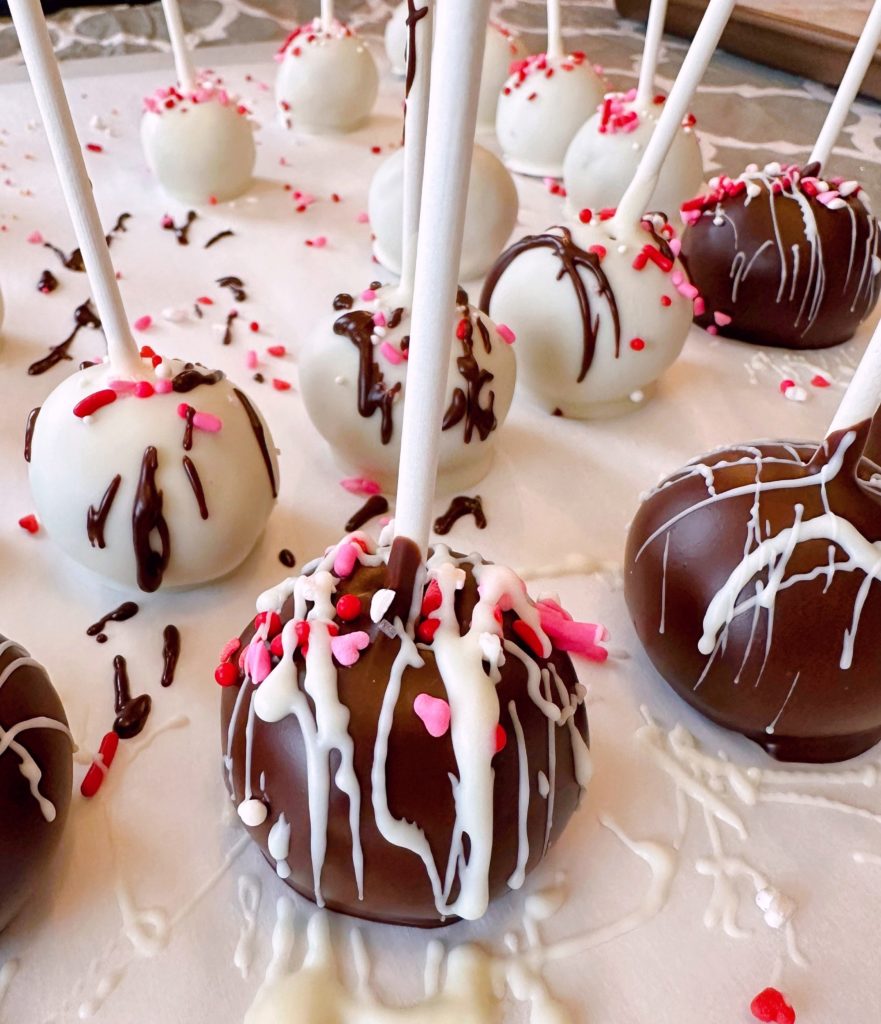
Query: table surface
{"x":160,"y":839}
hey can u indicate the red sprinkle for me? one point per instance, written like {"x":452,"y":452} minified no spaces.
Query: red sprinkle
{"x":94,"y":777}
{"x":276,"y":350}
{"x":254,"y":326}
{"x":275,"y":646}
{"x":93,"y":147}
{"x":226,"y":674}
{"x":94,"y":402}
{"x":598,"y":250}
{"x":607,"y":213}
{"x":29,"y":523}
{"x":462,"y":329}
{"x":819,"y":381}
{"x":348,"y":607}
{"x":501,"y":738}
{"x":785,"y":385}
{"x":528,"y":635}
{"x":666,"y":300}
{"x":301,"y":629}
{"x":274,"y":623}
{"x":637,"y":344}
{"x":376,"y":149}
{"x":281,"y":385}
{"x":432,"y":599}
{"x":205,"y":300}
{"x":426,"y":629}
{"x":585,"y":216}
{"x":771,"y":1007}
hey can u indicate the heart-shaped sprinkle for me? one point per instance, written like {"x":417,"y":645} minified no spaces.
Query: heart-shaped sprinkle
{"x":360,"y":485}
{"x":500,"y":739}
{"x":257,"y":662}
{"x":722,"y":319}
{"x":348,"y":647}
{"x":346,"y":559}
{"x":771,"y":1007}
{"x":582,"y":638}
{"x":434,"y":712}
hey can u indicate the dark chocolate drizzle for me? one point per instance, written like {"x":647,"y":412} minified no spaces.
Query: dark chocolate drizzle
{"x":376,"y":505}
{"x":287,"y":558}
{"x":83,"y":316}
{"x":131,"y":712}
{"x":127,"y":610}
{"x":227,"y":331}
{"x":571,"y":258}
{"x":74,"y":261}
{"x":260,"y":436}
{"x":373,"y":393}
{"x":226,"y":233}
{"x":96,"y":518}
{"x":465,"y":403}
{"x":236,"y":286}
{"x":48,"y":282}
{"x":196,"y":484}
{"x":181,"y":232}
{"x":460,"y":506}
{"x":404,"y":566}
{"x":147,"y":518}
{"x":189,"y":415}
{"x":29,"y":432}
{"x":170,"y":653}
{"x":191,"y":377}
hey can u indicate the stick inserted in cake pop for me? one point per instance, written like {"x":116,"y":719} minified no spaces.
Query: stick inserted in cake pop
{"x":177,"y":36}
{"x":859,"y":63}
{"x":654,"y":32}
{"x":863,"y":395}
{"x":555,"y":30}
{"x":635,"y":200}
{"x":36,"y":47}
{"x":326,"y":14}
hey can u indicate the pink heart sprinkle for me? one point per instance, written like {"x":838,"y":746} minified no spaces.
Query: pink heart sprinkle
{"x":368,"y":295}
{"x":722,"y":319}
{"x":699,"y":306}
{"x":392,"y":354}
{"x":347,"y":647}
{"x":163,"y":386}
{"x":251,"y":359}
{"x":566,"y":634}
{"x":257,"y":661}
{"x":675,"y":246}
{"x":362,"y":218}
{"x":360,"y":485}
{"x":508,"y":336}
{"x":35,"y":238}
{"x":379,"y":319}
{"x":142,"y":323}
{"x":434,"y":712}
{"x":346,"y":559}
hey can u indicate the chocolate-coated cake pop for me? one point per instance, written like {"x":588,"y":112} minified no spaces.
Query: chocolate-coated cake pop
{"x":783,"y":257}
{"x":406,"y":775}
{"x":753,"y":577}
{"x":36,"y":767}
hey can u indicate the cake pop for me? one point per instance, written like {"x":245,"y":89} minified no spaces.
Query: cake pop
{"x":327,"y":79}
{"x":353,"y":371}
{"x":600,"y":309}
{"x":753,"y":578}
{"x":787,"y":255}
{"x":431,"y":685}
{"x":606,"y":151}
{"x":36,"y":767}
{"x":198,"y":138}
{"x":148,"y":471}
{"x":544,"y":102}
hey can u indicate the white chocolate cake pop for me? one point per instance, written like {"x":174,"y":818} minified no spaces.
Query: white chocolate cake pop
{"x":604,"y":155}
{"x":327,"y":79}
{"x":503,"y":48}
{"x":164,"y":480}
{"x":199,"y":143}
{"x":353,"y":378}
{"x":489,"y":220}
{"x":599,"y":312}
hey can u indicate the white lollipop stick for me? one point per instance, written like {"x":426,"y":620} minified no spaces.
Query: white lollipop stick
{"x":555,"y":30}
{"x":849,"y":87}
{"x":36,"y":47}
{"x":635,"y":200}
{"x":326,"y":14}
{"x":460,"y":36}
{"x":863,"y":395}
{"x":415,"y":121}
{"x":654,"y":32}
{"x":183,"y":62}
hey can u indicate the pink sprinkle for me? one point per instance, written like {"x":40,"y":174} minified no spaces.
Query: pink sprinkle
{"x":319,"y":242}
{"x":688,"y":290}
{"x":257,"y":662}
{"x":675,"y":246}
{"x":162,"y":386}
{"x":206,"y":421}
{"x":122,"y":387}
{"x":368,"y":295}
{"x":584,"y":638}
{"x":347,"y":647}
{"x":360,"y":485}
{"x":700,"y":307}
{"x":144,"y":389}
{"x":363,"y":218}
{"x":391,"y":353}
{"x":346,"y":559}
{"x":785,"y":385}
{"x":677,"y":277}
{"x":142,"y":323}
{"x":251,"y":359}
{"x":379,"y":319}
{"x":819,"y":381}
{"x":35,"y":238}
{"x":712,"y":329}
{"x":507,"y":335}
{"x":722,"y":319}
{"x":434,"y":712}
{"x":229,"y":649}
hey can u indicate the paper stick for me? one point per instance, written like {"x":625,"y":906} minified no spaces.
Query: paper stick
{"x":419,"y":26}
{"x":555,"y":30}
{"x":36,"y":47}
{"x":183,"y":62}
{"x":460,"y":36}
{"x":326,"y":14}
{"x":654,"y":33}
{"x":636,"y":199}
{"x":863,"y":395}
{"x":849,"y":87}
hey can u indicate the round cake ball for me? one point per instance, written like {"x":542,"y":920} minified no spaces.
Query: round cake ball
{"x":405,"y":775}
{"x":752,"y":577}
{"x":327,"y":80}
{"x":489,"y":219}
{"x":541,"y":107}
{"x":503,"y":48}
{"x":36,"y":768}
{"x":598,"y":318}
{"x":396,"y":40}
{"x":200,"y":145}
{"x":162,"y":482}
{"x":602,"y":158}
{"x":783,"y":257}
{"x":353,"y":378}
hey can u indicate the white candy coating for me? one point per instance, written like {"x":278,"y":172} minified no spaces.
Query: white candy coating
{"x":502,"y":47}
{"x":396,"y":40}
{"x":74,"y":461}
{"x":199,"y":151}
{"x":489,"y":219}
{"x":539,"y":301}
{"x":600,"y":165}
{"x":327,"y":80}
{"x":538,"y":115}
{"x":329,"y":379}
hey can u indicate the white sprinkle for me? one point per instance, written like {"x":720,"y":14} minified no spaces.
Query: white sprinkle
{"x":380,"y":604}
{"x":252,"y":812}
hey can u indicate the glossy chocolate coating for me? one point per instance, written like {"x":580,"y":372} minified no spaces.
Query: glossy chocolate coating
{"x":396,"y":884}
{"x":873,"y":445}
{"x":674,"y":567}
{"x":752,"y":260}
{"x":27,"y":839}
